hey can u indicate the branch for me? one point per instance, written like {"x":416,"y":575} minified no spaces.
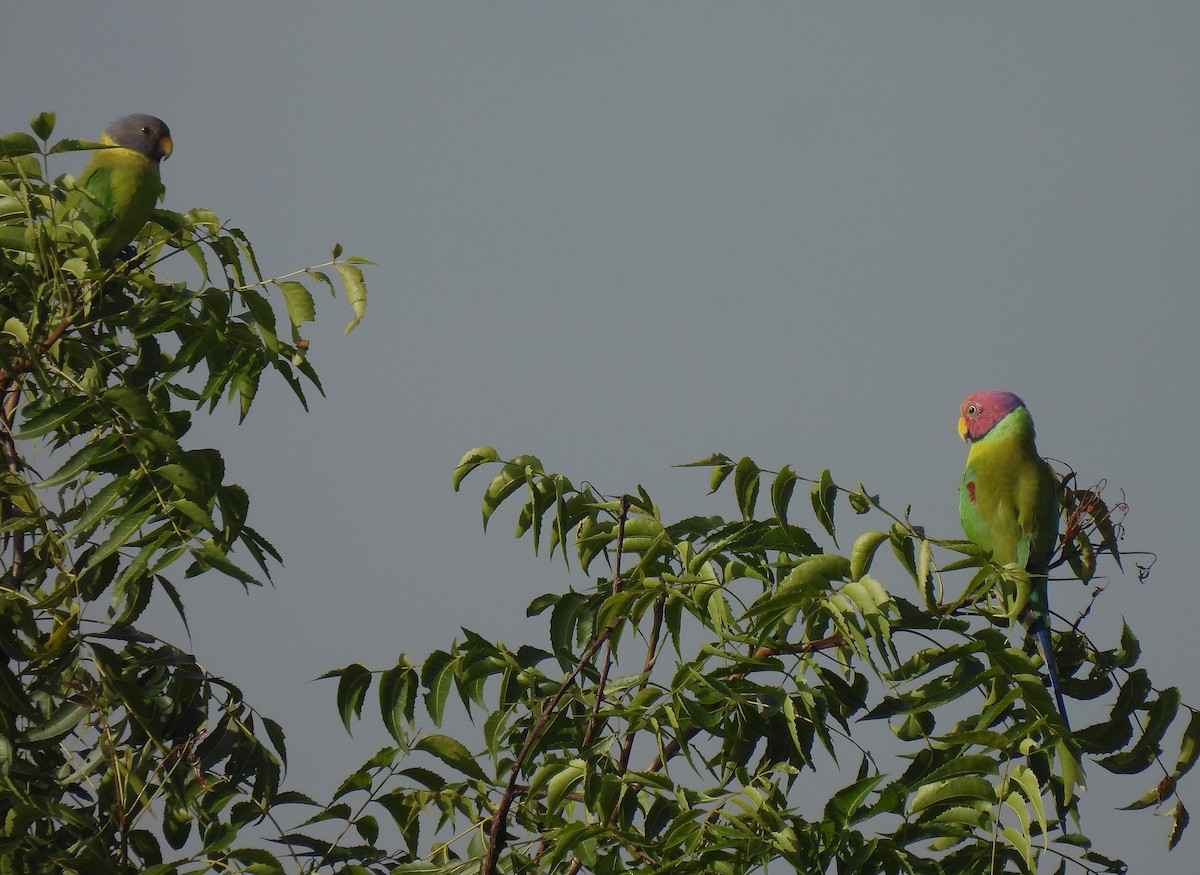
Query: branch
{"x":24,"y":365}
{"x":594,"y":720}
{"x":8,"y":410}
{"x":496,"y":836}
{"x":647,"y":666}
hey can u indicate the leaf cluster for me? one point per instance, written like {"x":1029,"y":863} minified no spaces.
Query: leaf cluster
{"x":758,"y":666}
{"x":116,"y":748}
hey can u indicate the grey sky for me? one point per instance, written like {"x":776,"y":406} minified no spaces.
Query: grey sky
{"x":622,"y":236}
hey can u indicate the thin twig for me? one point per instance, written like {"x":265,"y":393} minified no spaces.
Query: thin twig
{"x":594,"y":720}
{"x":12,"y":397}
{"x":647,"y":666}
{"x":24,"y":365}
{"x":496,"y":836}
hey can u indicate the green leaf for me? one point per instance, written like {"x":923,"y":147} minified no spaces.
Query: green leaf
{"x":968,"y":790}
{"x":397,"y":693}
{"x":453,"y":753}
{"x":122,"y":532}
{"x":42,"y":124}
{"x":18,"y":143}
{"x":565,"y":779}
{"x":1189,"y":747}
{"x":16,"y":329}
{"x":472,"y":460}
{"x":863,"y":552}
{"x":438,"y":677}
{"x":745,"y":485}
{"x":65,"y":719}
{"x":782,"y":488}
{"x":356,"y":289}
{"x":209,"y":555}
{"x":1179,"y":822}
{"x":95,"y":453}
{"x":566,"y":618}
{"x":824,"y":492}
{"x":181,"y":477}
{"x":846,"y":806}
{"x":512,"y":477}
{"x":260,"y":862}
{"x":353,"y":683}
{"x":133,"y":402}
{"x":721,"y":464}
{"x":13,"y":694}
{"x":54,"y":417}
{"x":102,"y":502}
{"x":299,"y":301}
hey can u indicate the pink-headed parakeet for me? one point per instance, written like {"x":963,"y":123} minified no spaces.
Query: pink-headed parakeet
{"x":1008,"y":502}
{"x":124,"y":182}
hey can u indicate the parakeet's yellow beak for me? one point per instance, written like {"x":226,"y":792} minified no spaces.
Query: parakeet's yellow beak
{"x":962,"y":427}
{"x":167,"y":145}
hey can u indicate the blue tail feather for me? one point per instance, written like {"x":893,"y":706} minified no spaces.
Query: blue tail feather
{"x":1042,"y":636}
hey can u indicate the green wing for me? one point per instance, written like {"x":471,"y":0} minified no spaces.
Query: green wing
{"x":1008,"y":505}
{"x":123,"y":187}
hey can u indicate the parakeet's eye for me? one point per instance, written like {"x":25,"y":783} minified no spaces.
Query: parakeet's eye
{"x":146,"y":131}
{"x":972,"y":409}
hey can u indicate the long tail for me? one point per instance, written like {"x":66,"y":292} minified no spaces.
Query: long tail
{"x":1039,"y":614}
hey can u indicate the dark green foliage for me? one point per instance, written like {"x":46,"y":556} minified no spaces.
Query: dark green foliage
{"x":118,"y":749}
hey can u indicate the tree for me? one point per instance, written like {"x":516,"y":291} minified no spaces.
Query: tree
{"x":104,"y":729}
{"x":693,"y":709}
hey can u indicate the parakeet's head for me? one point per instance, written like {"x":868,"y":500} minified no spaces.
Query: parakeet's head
{"x":982,"y":410}
{"x":144,"y":134}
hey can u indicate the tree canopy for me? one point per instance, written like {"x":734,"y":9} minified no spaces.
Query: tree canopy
{"x":815,"y":683}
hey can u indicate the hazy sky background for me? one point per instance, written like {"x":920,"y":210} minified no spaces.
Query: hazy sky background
{"x":622,"y":236}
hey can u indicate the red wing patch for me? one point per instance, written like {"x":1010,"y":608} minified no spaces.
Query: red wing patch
{"x":971,"y":490}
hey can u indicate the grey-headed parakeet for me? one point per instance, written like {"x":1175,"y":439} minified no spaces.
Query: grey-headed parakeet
{"x":124,"y":182}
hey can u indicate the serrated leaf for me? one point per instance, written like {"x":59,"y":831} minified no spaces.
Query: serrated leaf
{"x":844,"y":805}
{"x":745,"y":486}
{"x":782,"y":488}
{"x":102,"y":502}
{"x":63,"y":721}
{"x":437,"y":674}
{"x":120,"y":535}
{"x":824,"y":492}
{"x":42,"y":124}
{"x":353,"y":683}
{"x":1189,"y":747}
{"x":968,"y":789}
{"x":453,"y":753}
{"x":511,"y":477}
{"x":1179,"y":822}
{"x":53,"y":417}
{"x":471,"y":460}
{"x":397,"y":692}
{"x":356,"y":290}
{"x":87,"y":458}
{"x":299,"y":301}
{"x":563,"y":781}
{"x":863,"y":552}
